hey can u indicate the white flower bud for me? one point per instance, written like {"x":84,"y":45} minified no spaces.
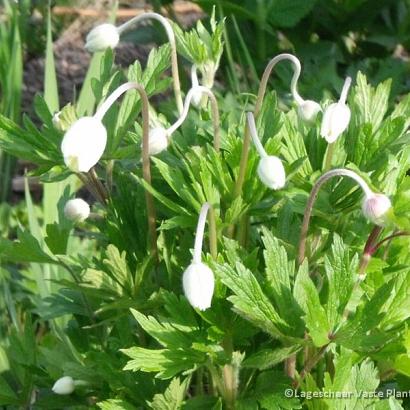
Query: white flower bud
{"x":64,"y":386}
{"x":271,"y":172}
{"x":376,"y":207}
{"x":102,"y":37}
{"x":84,"y":143}
{"x":57,"y":121}
{"x":309,"y":110}
{"x":77,"y":210}
{"x":335,"y":121}
{"x":337,"y":116}
{"x":198,"y":283}
{"x":158,"y":140}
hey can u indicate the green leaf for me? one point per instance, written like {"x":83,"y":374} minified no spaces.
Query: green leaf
{"x":249,"y":300}
{"x":50,"y":78}
{"x":25,"y":249}
{"x":307,"y":296}
{"x":166,"y":363}
{"x":267,"y":358}
{"x":280,"y":274}
{"x":173,"y":397}
{"x":115,"y":404}
{"x":341,"y":275}
{"x":283,"y":13}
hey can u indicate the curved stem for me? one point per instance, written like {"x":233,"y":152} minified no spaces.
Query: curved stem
{"x":345,"y":90}
{"x":146,"y":170}
{"x":312,"y":198}
{"x":258,"y":105}
{"x":265,"y":78}
{"x":215,"y":113}
{"x":199,"y":236}
{"x":171,"y":38}
{"x":110,"y":100}
{"x":254,"y":134}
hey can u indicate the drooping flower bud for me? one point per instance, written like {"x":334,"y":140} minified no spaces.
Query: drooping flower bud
{"x":271,"y":172}
{"x":102,"y":37}
{"x":77,"y":210}
{"x":197,"y":95}
{"x":270,"y":169}
{"x":158,"y":140}
{"x":308,"y":110}
{"x":337,"y":116}
{"x":376,"y":207}
{"x":84,"y":143}
{"x":198,"y":283}
{"x":198,"y":279}
{"x":64,"y":386}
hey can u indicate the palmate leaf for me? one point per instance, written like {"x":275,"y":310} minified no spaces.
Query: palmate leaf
{"x":315,"y":317}
{"x":283,"y":13}
{"x":115,"y":404}
{"x":173,"y":397}
{"x":250,"y":302}
{"x":280,"y":275}
{"x":341,"y":273}
{"x":166,"y":363}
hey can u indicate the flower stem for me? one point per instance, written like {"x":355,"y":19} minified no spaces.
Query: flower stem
{"x":174,"y":57}
{"x":214,"y":108}
{"x":312,"y":198}
{"x":146,"y":170}
{"x":258,"y":105}
{"x":213,"y":237}
{"x":199,"y":235}
{"x":329,"y":156}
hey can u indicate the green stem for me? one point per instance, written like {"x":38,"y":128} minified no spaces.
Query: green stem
{"x":213,"y":236}
{"x":329,"y":156}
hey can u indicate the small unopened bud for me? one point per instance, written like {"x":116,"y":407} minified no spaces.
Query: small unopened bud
{"x":158,"y":140}
{"x":336,"y":117}
{"x":102,"y":37}
{"x":57,"y":121}
{"x":308,"y":110}
{"x":271,"y":172}
{"x":83,"y":144}
{"x":77,"y":210}
{"x":376,"y":207}
{"x":198,"y":283}
{"x":64,"y":386}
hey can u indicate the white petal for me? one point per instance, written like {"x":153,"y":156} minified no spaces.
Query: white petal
{"x":76,"y":210}
{"x":102,"y":37}
{"x":375,"y":207}
{"x":271,"y":172}
{"x":65,"y":385}
{"x":83,"y":144}
{"x":309,"y":110}
{"x":158,"y":140}
{"x":198,"y":283}
{"x":335,"y":121}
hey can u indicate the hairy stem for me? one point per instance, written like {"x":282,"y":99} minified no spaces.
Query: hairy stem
{"x":312,"y":198}
{"x":174,"y":57}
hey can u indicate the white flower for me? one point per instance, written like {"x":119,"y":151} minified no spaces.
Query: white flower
{"x":76,"y":210}
{"x":65,"y":385}
{"x":157,"y":140}
{"x":102,"y":37}
{"x":376,"y":207}
{"x":308,"y":110}
{"x":336,"y":117}
{"x":271,"y":172}
{"x":270,"y":169}
{"x":198,"y":283}
{"x":84,"y":143}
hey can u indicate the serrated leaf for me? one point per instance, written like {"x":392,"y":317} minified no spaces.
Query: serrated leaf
{"x":307,"y":296}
